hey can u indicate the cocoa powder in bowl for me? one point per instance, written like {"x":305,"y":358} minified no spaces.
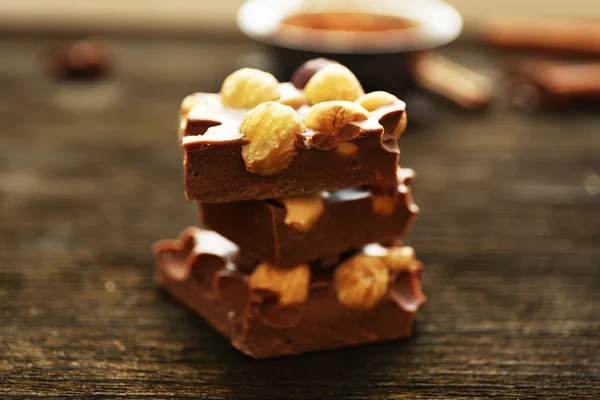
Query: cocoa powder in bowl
{"x":349,"y":21}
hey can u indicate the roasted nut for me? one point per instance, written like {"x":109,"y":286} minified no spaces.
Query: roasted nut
{"x":196,"y":100}
{"x":362,"y":281}
{"x":401,"y":126}
{"x":399,"y":259}
{"x":271,"y":130}
{"x":334,"y":82}
{"x":290,"y":96}
{"x":187,"y":104}
{"x":384,"y":204}
{"x":306,"y":71}
{"x":323,"y":140}
{"x":289,"y":284}
{"x":372,"y":101}
{"x":331,"y":116}
{"x":248,"y":87}
{"x":303,"y":211}
{"x":346,"y":149}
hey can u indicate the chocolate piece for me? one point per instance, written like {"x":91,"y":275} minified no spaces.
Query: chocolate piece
{"x":538,"y":84}
{"x":548,"y":34}
{"x":84,"y":59}
{"x":215,"y":171}
{"x":289,"y":232}
{"x":257,"y":323}
{"x":452,"y":81}
{"x":302,"y":75}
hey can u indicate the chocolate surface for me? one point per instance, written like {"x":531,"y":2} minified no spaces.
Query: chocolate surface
{"x":257,"y":325}
{"x":215,"y":171}
{"x":349,"y":219}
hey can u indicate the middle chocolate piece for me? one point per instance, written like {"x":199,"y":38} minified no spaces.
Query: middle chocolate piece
{"x":291,"y":231}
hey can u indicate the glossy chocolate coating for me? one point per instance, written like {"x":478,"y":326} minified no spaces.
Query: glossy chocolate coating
{"x":348,"y":221}
{"x":209,"y":283}
{"x":215,"y":171}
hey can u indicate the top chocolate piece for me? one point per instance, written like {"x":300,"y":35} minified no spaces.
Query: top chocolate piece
{"x":283,"y":147}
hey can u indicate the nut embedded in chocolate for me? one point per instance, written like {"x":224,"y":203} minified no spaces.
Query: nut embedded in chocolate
{"x":271,"y":130}
{"x":331,"y":116}
{"x":290,"y":96}
{"x":289,"y":286}
{"x":303,"y":211}
{"x":400,"y":258}
{"x":372,"y":101}
{"x":346,"y":149}
{"x":303,"y":73}
{"x":250,"y":308}
{"x":334,"y":82}
{"x":362,"y":281}
{"x":83,"y":59}
{"x":267,"y":230}
{"x":223,"y":164}
{"x":249,"y":87}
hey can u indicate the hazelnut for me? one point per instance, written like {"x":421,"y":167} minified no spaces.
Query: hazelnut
{"x":346,"y":149}
{"x":331,"y":116}
{"x":399,"y":259}
{"x":290,"y":96}
{"x":384,"y":204}
{"x":195,"y":100}
{"x":289,"y":284}
{"x":187,"y":104}
{"x":361,"y":282}
{"x":306,"y":71}
{"x":372,"y":101}
{"x":271,"y":130}
{"x":303,"y":211}
{"x":334,"y":82}
{"x":401,"y":126}
{"x":248,"y":87}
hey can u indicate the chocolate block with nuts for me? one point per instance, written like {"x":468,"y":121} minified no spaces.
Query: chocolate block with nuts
{"x":301,"y":184}
{"x":371,"y":295}
{"x":260,"y":139}
{"x":290,"y":231}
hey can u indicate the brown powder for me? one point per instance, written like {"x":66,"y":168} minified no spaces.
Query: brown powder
{"x":348,"y":21}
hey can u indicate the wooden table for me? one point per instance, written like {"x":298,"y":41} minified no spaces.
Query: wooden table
{"x":90,"y":176}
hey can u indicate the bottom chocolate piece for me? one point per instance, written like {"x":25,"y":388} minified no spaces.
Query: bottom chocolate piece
{"x":371,"y":295}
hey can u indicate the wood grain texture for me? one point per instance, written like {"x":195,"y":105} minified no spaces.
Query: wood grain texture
{"x":90,"y":175}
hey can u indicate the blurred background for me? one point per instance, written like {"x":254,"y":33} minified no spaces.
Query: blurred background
{"x":219,"y":16}
{"x":91,"y":175}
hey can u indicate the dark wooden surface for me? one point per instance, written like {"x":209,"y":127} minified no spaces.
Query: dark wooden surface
{"x":90,"y":176}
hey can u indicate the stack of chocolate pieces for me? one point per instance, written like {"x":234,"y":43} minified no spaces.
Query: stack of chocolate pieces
{"x":300,"y":185}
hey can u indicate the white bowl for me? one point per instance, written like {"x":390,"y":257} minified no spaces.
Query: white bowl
{"x":437,"y":23}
